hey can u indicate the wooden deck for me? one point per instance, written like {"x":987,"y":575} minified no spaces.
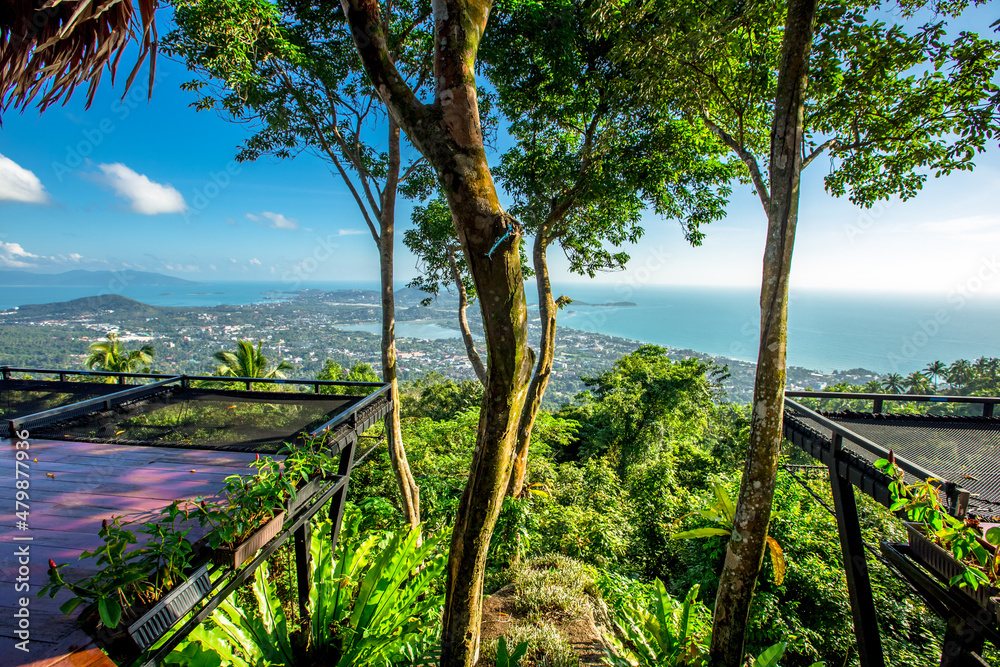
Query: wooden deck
{"x":73,"y":486}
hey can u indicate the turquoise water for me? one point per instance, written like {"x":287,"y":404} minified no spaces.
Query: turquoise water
{"x":826,"y":331}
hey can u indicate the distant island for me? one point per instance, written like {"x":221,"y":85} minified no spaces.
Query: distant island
{"x":78,"y":278}
{"x":610,"y":304}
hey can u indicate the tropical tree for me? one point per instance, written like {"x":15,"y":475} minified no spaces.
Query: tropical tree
{"x":872,"y":387}
{"x":782,"y":84}
{"x":110,"y":355}
{"x":916,"y":383}
{"x":591,"y":156}
{"x":448,"y":131}
{"x":893,"y":383}
{"x":290,"y":68}
{"x":248,"y":362}
{"x":936,"y":370}
{"x":960,"y":373}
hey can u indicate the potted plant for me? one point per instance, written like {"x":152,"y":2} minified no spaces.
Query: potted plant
{"x":956,"y":550}
{"x":130,"y":578}
{"x":251,"y":513}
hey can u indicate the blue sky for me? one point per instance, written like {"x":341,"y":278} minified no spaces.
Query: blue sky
{"x":155,"y":186}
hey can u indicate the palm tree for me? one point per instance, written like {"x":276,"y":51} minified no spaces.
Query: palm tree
{"x":111,"y":355}
{"x":916,"y":383}
{"x":872,"y":387}
{"x":248,"y":362}
{"x":959,"y":373}
{"x":55,"y":47}
{"x":893,"y":383}
{"x":936,"y":370}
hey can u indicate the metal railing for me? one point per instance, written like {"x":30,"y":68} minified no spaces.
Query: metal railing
{"x":5,"y":374}
{"x":878,"y":400}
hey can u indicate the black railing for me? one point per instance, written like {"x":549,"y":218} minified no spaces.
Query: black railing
{"x":878,"y":400}
{"x":5,"y":373}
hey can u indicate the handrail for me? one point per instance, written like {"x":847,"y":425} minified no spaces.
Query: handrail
{"x":927,"y":398}
{"x":106,"y":400}
{"x":355,"y":409}
{"x":916,"y":470}
{"x":7,"y":370}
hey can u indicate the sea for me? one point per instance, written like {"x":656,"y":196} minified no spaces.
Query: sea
{"x":827,"y":331}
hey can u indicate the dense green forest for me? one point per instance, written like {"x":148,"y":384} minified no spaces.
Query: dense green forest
{"x":648,"y":451}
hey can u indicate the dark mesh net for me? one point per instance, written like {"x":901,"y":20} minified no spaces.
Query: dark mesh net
{"x":27,"y":397}
{"x":960,"y":449}
{"x":231,"y":420}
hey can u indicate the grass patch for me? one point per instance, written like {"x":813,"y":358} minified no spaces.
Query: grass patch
{"x":546,"y":647}
{"x":553,"y":584}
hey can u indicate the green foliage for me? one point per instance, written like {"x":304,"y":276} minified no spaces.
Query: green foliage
{"x":512,"y":658}
{"x":359,"y":372}
{"x":667,"y":632}
{"x":646,"y":404}
{"x":590,"y":156}
{"x":722,"y":511}
{"x":371,"y":605}
{"x":439,"y":398}
{"x":921,"y":503}
{"x":128,"y":575}
{"x":248,"y":362}
{"x":111,"y":355}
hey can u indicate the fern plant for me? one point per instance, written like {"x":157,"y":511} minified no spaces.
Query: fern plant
{"x":368,"y":607}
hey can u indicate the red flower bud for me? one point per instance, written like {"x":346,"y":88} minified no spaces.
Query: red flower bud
{"x":104,"y":524}
{"x":52,"y":564}
{"x":892,"y":458}
{"x":203,"y":504}
{"x":258,"y":457}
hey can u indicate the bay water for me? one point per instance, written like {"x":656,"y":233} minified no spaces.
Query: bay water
{"x":826,"y":330}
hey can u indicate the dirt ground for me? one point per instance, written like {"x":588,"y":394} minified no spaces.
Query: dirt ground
{"x":582,"y":632}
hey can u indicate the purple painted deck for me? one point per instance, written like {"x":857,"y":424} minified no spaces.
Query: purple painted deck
{"x":88,"y":483}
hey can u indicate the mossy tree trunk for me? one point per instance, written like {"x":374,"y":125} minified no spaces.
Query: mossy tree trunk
{"x":746,"y":548}
{"x":449,"y":134}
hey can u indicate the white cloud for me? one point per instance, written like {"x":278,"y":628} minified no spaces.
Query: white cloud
{"x":277,"y":220}
{"x":213,"y":267}
{"x":13,"y":256}
{"x":19,"y":184}
{"x":145,"y":196}
{"x":349,"y":232}
{"x":230,"y":221}
{"x":255,"y":261}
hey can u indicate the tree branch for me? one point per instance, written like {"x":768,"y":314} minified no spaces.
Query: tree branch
{"x":748,"y":159}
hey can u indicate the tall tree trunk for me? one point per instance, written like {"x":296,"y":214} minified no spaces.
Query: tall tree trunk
{"x":500,"y":286}
{"x":408,"y":490}
{"x":753,"y":510}
{"x":449,"y":134}
{"x":463,"y":320}
{"x":547,"y":310}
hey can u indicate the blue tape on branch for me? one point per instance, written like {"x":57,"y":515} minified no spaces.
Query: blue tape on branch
{"x":497,"y":244}
{"x":938,"y":399}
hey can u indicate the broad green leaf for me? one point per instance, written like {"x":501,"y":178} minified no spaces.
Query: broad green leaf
{"x":700,"y":532}
{"x":770,"y":656}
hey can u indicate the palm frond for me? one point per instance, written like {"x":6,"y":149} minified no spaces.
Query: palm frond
{"x":50,"y":47}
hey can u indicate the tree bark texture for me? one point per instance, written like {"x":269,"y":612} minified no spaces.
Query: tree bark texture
{"x":448,"y":133}
{"x":547,"y":310}
{"x":753,"y":510}
{"x":408,"y":490}
{"x":463,"y":321}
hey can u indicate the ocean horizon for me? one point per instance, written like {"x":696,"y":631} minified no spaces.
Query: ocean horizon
{"x":827,"y":331}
